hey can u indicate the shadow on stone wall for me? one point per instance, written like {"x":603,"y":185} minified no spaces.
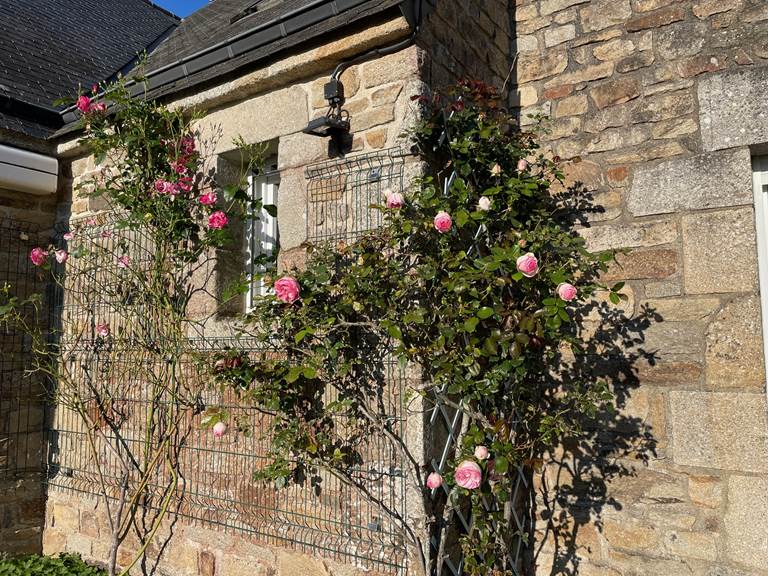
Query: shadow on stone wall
{"x":572,"y":485}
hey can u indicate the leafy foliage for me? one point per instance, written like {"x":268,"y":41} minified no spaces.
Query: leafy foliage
{"x":62,"y":565}
{"x":489,"y":334}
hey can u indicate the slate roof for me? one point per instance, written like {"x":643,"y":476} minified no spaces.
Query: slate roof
{"x":222,"y":21}
{"x":47,"y":56}
{"x":50,"y":47}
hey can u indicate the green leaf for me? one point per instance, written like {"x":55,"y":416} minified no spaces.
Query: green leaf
{"x":271,"y":209}
{"x":615,"y":298}
{"x":394,"y":331}
{"x":501,"y":465}
{"x":470,"y":324}
{"x":485,"y":312}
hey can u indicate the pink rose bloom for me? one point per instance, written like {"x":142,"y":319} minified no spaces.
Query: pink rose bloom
{"x":219,"y":429}
{"x":184,"y":184}
{"x":123,"y":262}
{"x":434,"y":480}
{"x":84,"y":104}
{"x":208,"y":199}
{"x":165,"y":187}
{"x":443,"y":222}
{"x":180,"y":166}
{"x":38,"y":256}
{"x":102,"y":330}
{"x":481,"y":452}
{"x":99,"y":107}
{"x":68,"y":236}
{"x":91,"y":222}
{"x":566,"y":291}
{"x":287,"y":289}
{"x":188,"y":144}
{"x":484,"y":203}
{"x":61,"y":256}
{"x":522,"y":165}
{"x":395,"y":200}
{"x":528,"y":265}
{"x":468,"y":475}
{"x":107,"y":234}
{"x":217,"y":220}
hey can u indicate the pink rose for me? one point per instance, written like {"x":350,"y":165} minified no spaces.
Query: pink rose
{"x":219,"y":429}
{"x":528,"y":265}
{"x":102,"y":330}
{"x":38,"y":256}
{"x":484,"y":203}
{"x":184,"y":184}
{"x":496,"y":170}
{"x":165,"y":187}
{"x":107,"y":234}
{"x":566,"y":291}
{"x":208,"y":199}
{"x":443,"y":222}
{"x":84,"y":104}
{"x":61,"y":256}
{"x":123,"y":262}
{"x":99,"y":107}
{"x":395,"y":200}
{"x":68,"y":236}
{"x":287,"y":289}
{"x":179,"y":166}
{"x":481,"y":452}
{"x":217,"y":220}
{"x":468,"y":475}
{"x":434,"y":480}
{"x":522,"y":165}
{"x":188,"y":144}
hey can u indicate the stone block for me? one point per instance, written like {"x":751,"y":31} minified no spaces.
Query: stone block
{"x":674,"y":128}
{"x":734,"y":351}
{"x":571,"y":106}
{"x":681,"y":39}
{"x":641,"y":264}
{"x":719,"y":252}
{"x":586,"y":74}
{"x":705,"y":491}
{"x":292,"y":564}
{"x":683,"y":309}
{"x":726,"y":431}
{"x":604,"y":13}
{"x":706,"y":9}
{"x":555,"y":36}
{"x":699,"y":545}
{"x":371,"y":118}
{"x":550,"y":6}
{"x":670,"y":373}
{"x":745,"y":534}
{"x":630,"y":535}
{"x":648,"y":5}
{"x":535,"y":67}
{"x":635,"y":62}
{"x":663,"y":107}
{"x":386,"y":95}
{"x":656,"y":19}
{"x":605,"y":237}
{"x":614,"y":49}
{"x":393,"y":68}
{"x":704,"y":181}
{"x":696,"y":65}
{"x":611,"y":117}
{"x":733,"y":108}
{"x":616,"y":92}
{"x":670,"y":338}
{"x":564,"y":127}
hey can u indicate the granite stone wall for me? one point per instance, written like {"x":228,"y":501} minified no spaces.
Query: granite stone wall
{"x":656,"y":108}
{"x":269,"y":105}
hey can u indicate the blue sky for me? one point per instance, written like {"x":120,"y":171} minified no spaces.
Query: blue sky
{"x":181,"y":7}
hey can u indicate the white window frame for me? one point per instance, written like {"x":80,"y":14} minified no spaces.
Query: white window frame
{"x":760,"y":187}
{"x":262,"y":236}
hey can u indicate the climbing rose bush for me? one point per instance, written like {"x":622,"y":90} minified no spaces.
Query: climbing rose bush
{"x":472,"y":283}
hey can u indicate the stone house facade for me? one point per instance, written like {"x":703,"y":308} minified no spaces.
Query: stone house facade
{"x":657,"y":110}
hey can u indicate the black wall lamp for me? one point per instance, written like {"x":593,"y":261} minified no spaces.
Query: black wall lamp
{"x":335,"y":123}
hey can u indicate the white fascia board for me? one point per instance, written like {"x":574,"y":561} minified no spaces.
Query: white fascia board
{"x":23,"y":171}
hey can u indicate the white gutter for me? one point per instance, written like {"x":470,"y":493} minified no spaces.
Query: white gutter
{"x":23,"y":171}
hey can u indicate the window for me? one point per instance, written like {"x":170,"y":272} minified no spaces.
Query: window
{"x":262,"y":233}
{"x":760,"y":180}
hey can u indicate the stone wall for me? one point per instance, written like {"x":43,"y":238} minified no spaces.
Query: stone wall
{"x":269,"y":105}
{"x":654,"y":105}
{"x":466,"y":40}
